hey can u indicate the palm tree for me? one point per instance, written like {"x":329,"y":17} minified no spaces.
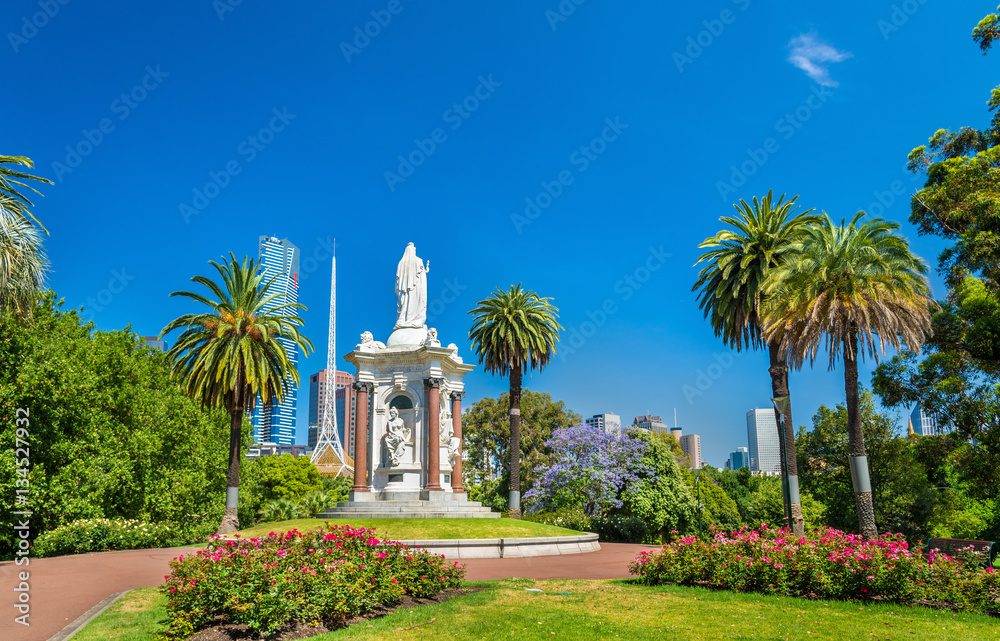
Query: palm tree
{"x":23,"y":265}
{"x":850,"y":284}
{"x":232,"y":354}
{"x":514,"y":332}
{"x":731,"y":294}
{"x":10,"y":179}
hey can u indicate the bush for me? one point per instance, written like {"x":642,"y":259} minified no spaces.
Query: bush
{"x":280,"y":510}
{"x":329,"y":575}
{"x":314,"y":503}
{"x":102,"y":535}
{"x":572,"y":518}
{"x":624,"y":529}
{"x":828,"y":564}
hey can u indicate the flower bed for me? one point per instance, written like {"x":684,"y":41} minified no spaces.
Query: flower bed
{"x":324,"y":576}
{"x":828,"y":564}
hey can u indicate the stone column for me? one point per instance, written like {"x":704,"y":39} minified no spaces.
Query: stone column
{"x":456,"y":421}
{"x":362,"y":430}
{"x":433,"y":386}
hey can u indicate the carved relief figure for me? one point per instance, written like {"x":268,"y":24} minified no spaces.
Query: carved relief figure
{"x":448,"y":438}
{"x":397,"y":435}
{"x":411,"y":290}
{"x":432,"y":338}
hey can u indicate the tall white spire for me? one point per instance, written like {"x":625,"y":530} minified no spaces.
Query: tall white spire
{"x":329,"y":455}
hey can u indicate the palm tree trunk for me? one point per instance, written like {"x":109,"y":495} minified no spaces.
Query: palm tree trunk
{"x":856,"y":443}
{"x":789,"y":466}
{"x":231,"y":520}
{"x":514,"y":503}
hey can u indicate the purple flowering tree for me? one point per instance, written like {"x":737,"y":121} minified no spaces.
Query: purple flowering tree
{"x":589,"y":469}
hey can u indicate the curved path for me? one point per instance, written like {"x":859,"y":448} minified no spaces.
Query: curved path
{"x":63,"y":588}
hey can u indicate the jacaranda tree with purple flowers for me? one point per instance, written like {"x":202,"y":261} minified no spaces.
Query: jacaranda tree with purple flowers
{"x":589,"y":470}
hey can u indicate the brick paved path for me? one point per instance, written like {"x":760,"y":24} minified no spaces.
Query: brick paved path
{"x":63,"y":588}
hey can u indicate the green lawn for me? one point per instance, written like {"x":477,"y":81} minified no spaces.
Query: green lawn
{"x":411,"y":529}
{"x":604,"y":610}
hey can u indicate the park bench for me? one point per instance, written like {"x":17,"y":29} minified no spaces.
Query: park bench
{"x":988,"y":549}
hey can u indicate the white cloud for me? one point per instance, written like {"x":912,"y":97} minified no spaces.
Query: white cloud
{"x":810,"y":54}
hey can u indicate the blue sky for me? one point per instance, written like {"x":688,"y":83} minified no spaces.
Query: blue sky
{"x":625,"y":125}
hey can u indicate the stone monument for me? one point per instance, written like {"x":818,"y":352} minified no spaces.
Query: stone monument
{"x":408,"y":434}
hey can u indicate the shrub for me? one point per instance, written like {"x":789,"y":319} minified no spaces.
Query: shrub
{"x":572,"y":518}
{"x":101,"y":535}
{"x":280,"y":510}
{"x":314,"y":503}
{"x":624,"y":529}
{"x":827,"y":564}
{"x":329,"y":575}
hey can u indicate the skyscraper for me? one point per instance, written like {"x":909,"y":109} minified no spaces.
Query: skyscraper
{"x":279,"y":260}
{"x":923,"y":423}
{"x":607,"y":422}
{"x":739,"y":459}
{"x":691,"y":444}
{"x":346,"y":400}
{"x":765,"y":449}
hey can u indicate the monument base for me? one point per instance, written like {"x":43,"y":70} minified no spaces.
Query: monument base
{"x":409,"y":504}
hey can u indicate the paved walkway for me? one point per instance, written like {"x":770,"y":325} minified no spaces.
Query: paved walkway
{"x":63,"y":588}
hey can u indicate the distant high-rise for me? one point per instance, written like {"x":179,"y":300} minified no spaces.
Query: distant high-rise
{"x":607,"y":422}
{"x":924,"y":424}
{"x":154,"y":342}
{"x":739,"y":459}
{"x":691,"y":444}
{"x":346,"y":400}
{"x":765,"y":448}
{"x":650,"y":423}
{"x":279,"y":259}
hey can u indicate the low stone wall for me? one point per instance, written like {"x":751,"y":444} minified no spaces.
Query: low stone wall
{"x":508,"y":548}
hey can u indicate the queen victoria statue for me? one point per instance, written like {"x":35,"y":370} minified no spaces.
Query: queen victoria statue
{"x":411,"y":290}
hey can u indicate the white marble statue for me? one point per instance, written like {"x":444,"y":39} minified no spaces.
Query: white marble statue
{"x":447,"y":429}
{"x":432,"y":338}
{"x":397,"y":435}
{"x":368,"y":343}
{"x":411,"y":290}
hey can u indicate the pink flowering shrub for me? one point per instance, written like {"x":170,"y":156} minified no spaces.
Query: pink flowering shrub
{"x":826,"y":564}
{"x":323,"y":576}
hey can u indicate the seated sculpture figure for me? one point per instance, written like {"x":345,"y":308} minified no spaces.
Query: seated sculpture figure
{"x":397,"y":435}
{"x":448,"y":435}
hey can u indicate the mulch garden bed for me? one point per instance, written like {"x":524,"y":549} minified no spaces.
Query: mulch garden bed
{"x":300,"y":630}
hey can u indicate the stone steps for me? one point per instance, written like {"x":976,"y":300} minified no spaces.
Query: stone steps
{"x":335,"y":514}
{"x":396,"y":503}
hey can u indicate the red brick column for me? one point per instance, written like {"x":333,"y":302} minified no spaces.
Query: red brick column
{"x":456,"y":420}
{"x":433,"y":386}
{"x":362,"y":429}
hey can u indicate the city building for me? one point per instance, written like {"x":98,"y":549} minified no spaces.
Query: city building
{"x":273,"y":449}
{"x":765,"y":448}
{"x":739,"y":459}
{"x":650,"y":423}
{"x":924,"y":424}
{"x":607,"y":422}
{"x":691,"y":444}
{"x":279,"y":260}
{"x":154,"y":342}
{"x":346,"y":401}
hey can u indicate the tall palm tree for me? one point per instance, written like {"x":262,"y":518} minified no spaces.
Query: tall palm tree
{"x":10,"y":180}
{"x":23,"y":265}
{"x":232,"y":354}
{"x":859,"y":287}
{"x":739,"y":260}
{"x":514,"y":332}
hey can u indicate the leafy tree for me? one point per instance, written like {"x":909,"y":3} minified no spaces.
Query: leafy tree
{"x":847,"y":284}
{"x":766,"y":505}
{"x":719,"y":509}
{"x":289,"y":477}
{"x":486,"y":434}
{"x":660,"y":497}
{"x":589,"y":469}
{"x":732,"y":292}
{"x":514,"y":332}
{"x":231,"y":354}
{"x":110,"y":434}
